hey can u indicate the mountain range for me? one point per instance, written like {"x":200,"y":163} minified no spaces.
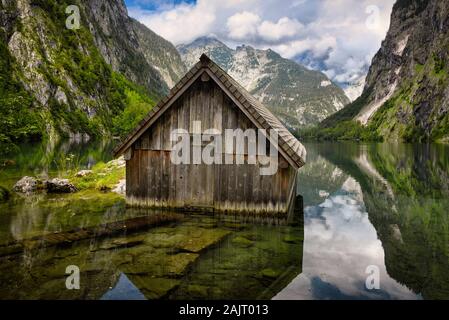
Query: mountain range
{"x":101,"y":79}
{"x":298,"y":96}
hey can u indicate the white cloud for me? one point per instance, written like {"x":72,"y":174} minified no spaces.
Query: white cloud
{"x":249,"y":26}
{"x":181,"y":23}
{"x":339,"y":37}
{"x":318,"y":47}
{"x":284,"y":28}
{"x":243,"y":25}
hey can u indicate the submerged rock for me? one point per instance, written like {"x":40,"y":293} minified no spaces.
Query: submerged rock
{"x":199,"y":239}
{"x":158,"y":263}
{"x":154,"y":288}
{"x":197,"y":291}
{"x":59,"y":186}
{"x":242,"y":242}
{"x":293,"y":239}
{"x":118,"y":243}
{"x":27,"y":185}
{"x":270,"y":273}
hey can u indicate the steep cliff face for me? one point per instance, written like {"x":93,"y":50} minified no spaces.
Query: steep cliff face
{"x":298,"y":96}
{"x":160,"y":53}
{"x":57,"y":81}
{"x":115,"y":37}
{"x":131,"y":48}
{"x":406,"y":95}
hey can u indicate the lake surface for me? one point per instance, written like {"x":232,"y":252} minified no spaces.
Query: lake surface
{"x":365,"y":208}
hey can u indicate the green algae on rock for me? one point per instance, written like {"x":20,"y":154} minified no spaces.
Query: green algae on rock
{"x":242,"y":242}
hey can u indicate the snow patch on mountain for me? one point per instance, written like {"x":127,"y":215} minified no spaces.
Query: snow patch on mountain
{"x":325,"y":83}
{"x":355,"y":89}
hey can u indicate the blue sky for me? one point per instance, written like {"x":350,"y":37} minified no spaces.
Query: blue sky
{"x":338,"y":37}
{"x":153,"y":5}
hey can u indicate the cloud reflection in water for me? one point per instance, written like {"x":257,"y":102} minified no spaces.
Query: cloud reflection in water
{"x":340,"y":243}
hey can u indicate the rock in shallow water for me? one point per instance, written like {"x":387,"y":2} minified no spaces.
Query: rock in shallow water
{"x":59,"y":186}
{"x":27,"y":185}
{"x":242,"y":242}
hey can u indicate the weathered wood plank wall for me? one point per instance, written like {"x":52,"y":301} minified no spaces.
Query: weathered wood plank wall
{"x":153,"y":180}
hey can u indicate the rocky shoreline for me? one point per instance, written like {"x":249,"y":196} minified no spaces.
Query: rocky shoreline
{"x":104,"y":177}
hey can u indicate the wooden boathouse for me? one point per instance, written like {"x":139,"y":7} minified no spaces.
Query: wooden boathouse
{"x":207,"y":97}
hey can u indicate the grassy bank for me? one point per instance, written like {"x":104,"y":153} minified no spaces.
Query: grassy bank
{"x":103,"y":176}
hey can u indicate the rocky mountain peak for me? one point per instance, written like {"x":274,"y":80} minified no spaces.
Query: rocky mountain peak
{"x":298,"y":96}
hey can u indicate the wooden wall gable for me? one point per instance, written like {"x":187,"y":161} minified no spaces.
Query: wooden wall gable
{"x":205,"y":102}
{"x":153,"y":180}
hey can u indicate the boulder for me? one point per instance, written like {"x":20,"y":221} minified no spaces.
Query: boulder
{"x":59,"y":186}
{"x":117,"y":163}
{"x":27,"y":185}
{"x":83,"y":173}
{"x":120,"y":188}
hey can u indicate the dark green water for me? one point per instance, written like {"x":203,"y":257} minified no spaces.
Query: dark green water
{"x":382,"y":205}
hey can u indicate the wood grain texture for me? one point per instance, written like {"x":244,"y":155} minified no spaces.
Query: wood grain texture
{"x":153,"y":180}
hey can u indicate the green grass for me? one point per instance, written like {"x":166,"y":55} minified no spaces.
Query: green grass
{"x":345,"y":130}
{"x":103,"y":177}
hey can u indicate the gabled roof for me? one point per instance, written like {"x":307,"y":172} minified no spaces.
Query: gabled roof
{"x":289,"y":146}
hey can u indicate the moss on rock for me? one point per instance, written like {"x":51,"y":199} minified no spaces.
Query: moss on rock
{"x":242,"y":242}
{"x":154,"y":288}
{"x":270,"y":273}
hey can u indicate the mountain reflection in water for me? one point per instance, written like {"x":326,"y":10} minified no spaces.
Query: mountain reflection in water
{"x":378,"y":204}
